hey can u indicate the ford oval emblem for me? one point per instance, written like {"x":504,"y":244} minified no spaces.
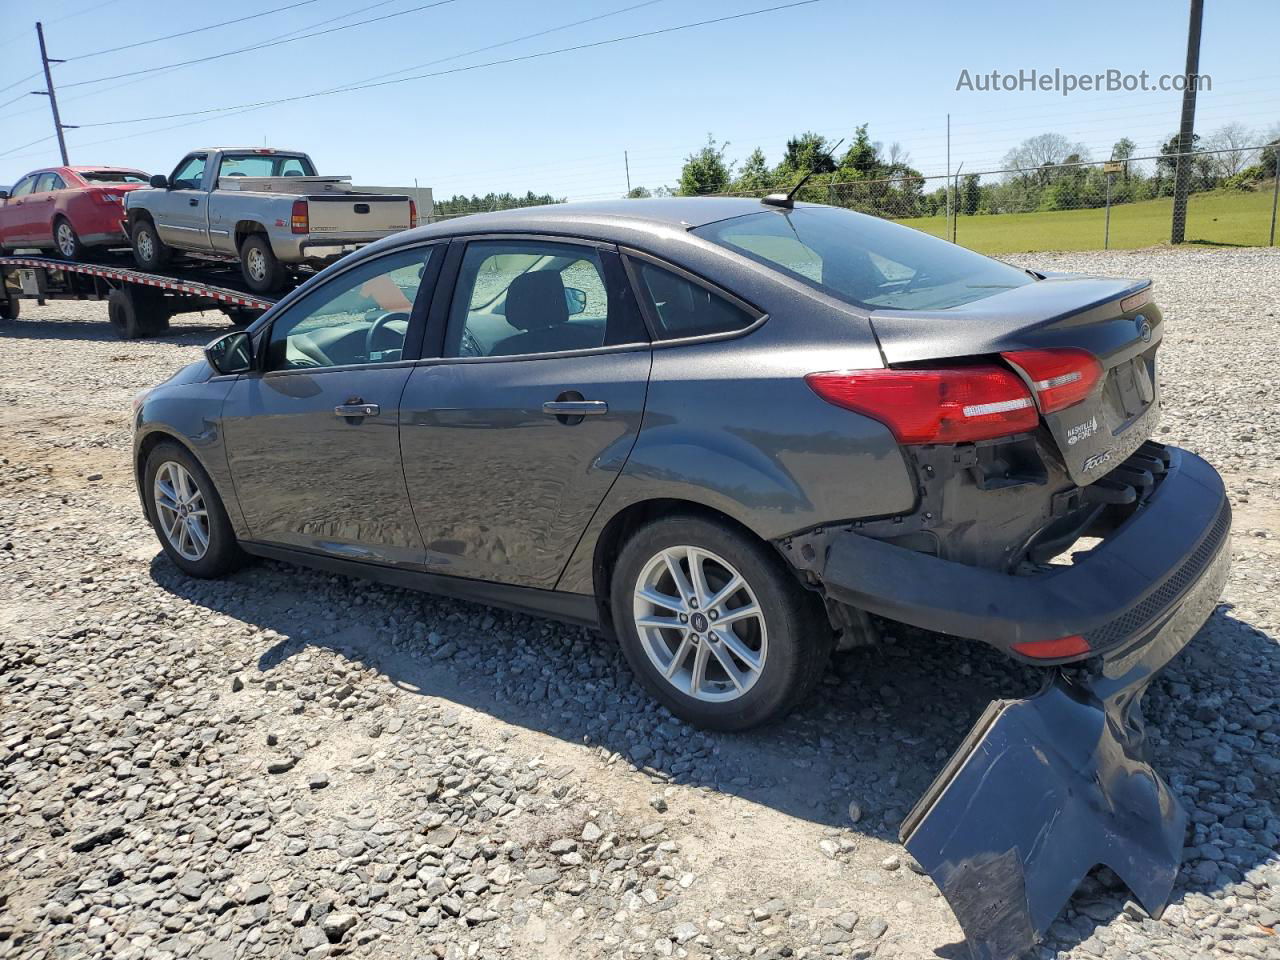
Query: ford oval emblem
{"x":1144,"y":328}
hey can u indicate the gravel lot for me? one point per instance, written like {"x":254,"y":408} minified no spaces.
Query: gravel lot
{"x":293,"y":764}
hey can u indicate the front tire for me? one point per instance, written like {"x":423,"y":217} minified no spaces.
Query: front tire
{"x":188,"y":515}
{"x":714,"y":625}
{"x":66,"y":240}
{"x":259,"y":266}
{"x":149,"y":251}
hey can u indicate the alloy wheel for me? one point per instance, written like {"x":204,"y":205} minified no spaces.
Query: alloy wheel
{"x":146,"y":247}
{"x":181,"y":510}
{"x":66,"y":238}
{"x":700,"y":624}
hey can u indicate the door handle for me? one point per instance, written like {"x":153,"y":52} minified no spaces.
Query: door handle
{"x":575,"y":408}
{"x":192,"y":201}
{"x":356,"y":410}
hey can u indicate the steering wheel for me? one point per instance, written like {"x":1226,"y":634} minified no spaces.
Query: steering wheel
{"x":376,"y":327}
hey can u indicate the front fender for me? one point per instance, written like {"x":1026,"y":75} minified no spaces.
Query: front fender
{"x":189,"y":414}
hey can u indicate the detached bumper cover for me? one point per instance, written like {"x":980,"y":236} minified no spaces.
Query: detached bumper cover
{"x":1044,"y":789}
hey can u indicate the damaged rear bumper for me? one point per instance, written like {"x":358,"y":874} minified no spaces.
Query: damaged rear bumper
{"x":1044,"y":789}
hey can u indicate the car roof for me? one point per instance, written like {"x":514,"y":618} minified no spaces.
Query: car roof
{"x":245,"y":150}
{"x":599,"y":219}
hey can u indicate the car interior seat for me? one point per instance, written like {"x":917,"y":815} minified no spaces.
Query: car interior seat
{"x":536,"y":305}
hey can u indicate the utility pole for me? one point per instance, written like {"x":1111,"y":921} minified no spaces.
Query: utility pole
{"x":948,"y":230}
{"x":48,"y":92}
{"x":626,"y":161}
{"x":1186,"y":130}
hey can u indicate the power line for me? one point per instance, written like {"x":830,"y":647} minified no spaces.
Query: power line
{"x":187,"y":33}
{"x":464,"y":69}
{"x":30,"y":76}
{"x":25,"y":145}
{"x":260,"y":46}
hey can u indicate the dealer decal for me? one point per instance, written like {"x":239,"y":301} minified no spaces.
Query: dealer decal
{"x":1082,"y":430}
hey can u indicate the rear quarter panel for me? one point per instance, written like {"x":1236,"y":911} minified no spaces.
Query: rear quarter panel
{"x":732,"y":425}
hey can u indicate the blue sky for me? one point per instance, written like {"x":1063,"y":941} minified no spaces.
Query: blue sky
{"x":560,"y":124}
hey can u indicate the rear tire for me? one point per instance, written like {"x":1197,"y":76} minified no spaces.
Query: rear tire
{"x":149,"y":251}
{"x":754,"y":666}
{"x":193,"y":527}
{"x":135,"y":315}
{"x":10,"y":309}
{"x":66,"y":240}
{"x":259,"y":266}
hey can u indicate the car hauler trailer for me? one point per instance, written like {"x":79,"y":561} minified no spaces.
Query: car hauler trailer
{"x":138,"y":304}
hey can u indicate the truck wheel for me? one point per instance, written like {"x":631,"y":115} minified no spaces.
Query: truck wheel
{"x":241,"y":317}
{"x":66,"y":240}
{"x":134,"y":316}
{"x":149,"y":251}
{"x":9,"y":309}
{"x":262,"y":271}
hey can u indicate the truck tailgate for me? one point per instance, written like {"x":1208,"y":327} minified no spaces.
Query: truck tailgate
{"x":357,"y":213}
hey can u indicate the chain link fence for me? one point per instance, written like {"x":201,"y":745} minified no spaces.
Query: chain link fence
{"x":1232,"y":201}
{"x":1087,"y":205}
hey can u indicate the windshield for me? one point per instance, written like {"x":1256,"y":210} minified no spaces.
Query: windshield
{"x":864,"y":260}
{"x":112,"y":176}
{"x":264,"y":165}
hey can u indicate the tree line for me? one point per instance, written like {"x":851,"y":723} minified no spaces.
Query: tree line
{"x":1045,"y":172}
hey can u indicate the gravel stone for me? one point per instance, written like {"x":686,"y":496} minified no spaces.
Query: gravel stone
{"x":481,"y":785}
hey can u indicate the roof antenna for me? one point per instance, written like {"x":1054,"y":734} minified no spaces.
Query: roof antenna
{"x":788,"y":200}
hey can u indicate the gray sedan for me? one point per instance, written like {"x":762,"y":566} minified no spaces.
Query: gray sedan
{"x":734,"y":435}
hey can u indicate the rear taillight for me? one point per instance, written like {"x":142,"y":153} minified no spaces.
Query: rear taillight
{"x":299,"y":221}
{"x":103,"y":196}
{"x":1061,"y":377}
{"x":950,"y":405}
{"x":1069,"y":646}
{"x":413,"y":214}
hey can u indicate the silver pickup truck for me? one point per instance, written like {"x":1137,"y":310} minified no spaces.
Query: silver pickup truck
{"x":266,"y":208}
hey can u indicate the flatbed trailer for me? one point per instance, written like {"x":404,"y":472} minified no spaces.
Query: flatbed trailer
{"x":139,"y":304}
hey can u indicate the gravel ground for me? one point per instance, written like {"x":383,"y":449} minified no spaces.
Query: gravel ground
{"x":293,"y":764}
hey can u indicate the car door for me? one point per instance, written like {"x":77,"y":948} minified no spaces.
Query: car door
{"x":312,"y":436}
{"x":514,"y":432}
{"x":39,"y":209}
{"x":14,"y":227}
{"x":180,"y":212}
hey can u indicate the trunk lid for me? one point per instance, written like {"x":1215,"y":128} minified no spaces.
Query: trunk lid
{"x":1094,"y":435}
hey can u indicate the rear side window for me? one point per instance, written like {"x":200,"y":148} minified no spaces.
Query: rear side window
{"x":521,"y":297}
{"x":864,"y":260}
{"x":683,"y":308}
{"x":48,"y":182}
{"x":113,"y":176}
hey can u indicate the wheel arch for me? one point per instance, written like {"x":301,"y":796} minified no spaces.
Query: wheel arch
{"x":223,"y":486}
{"x":625,"y":522}
{"x":247,"y":228}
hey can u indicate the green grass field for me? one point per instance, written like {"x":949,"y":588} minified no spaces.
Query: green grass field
{"x":1220,"y":218}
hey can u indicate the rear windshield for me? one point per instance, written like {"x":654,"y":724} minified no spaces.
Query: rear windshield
{"x":865,"y":260}
{"x":264,"y":165}
{"x":112,"y":176}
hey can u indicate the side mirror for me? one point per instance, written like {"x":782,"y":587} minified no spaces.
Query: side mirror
{"x":160,"y":181}
{"x":4,"y":194}
{"x":575,"y":300}
{"x":231,"y":353}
